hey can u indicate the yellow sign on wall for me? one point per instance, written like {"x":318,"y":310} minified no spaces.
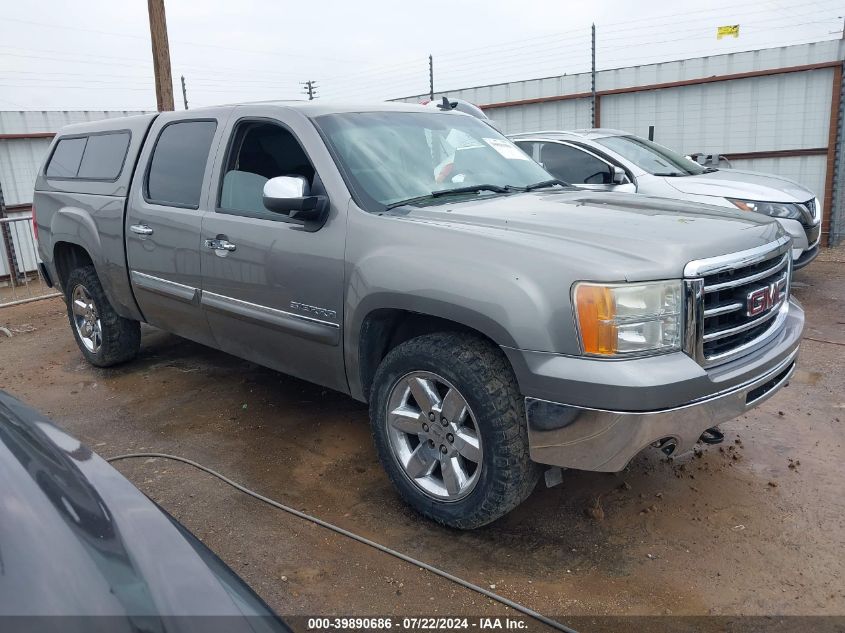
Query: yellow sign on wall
{"x":727,"y":31}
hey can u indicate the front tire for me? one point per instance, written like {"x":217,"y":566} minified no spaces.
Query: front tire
{"x":448,"y":424}
{"x":104,"y":337}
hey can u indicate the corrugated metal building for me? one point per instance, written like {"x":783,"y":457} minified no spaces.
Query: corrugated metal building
{"x":25,"y":137}
{"x":773,"y":110}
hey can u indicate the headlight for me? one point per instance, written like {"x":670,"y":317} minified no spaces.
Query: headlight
{"x":773,"y":209}
{"x":622,"y":319}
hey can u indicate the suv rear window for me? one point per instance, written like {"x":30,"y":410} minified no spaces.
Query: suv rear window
{"x":177,"y":166}
{"x":95,"y":157}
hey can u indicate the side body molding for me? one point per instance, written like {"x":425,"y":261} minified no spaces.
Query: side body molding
{"x":165,"y":287}
{"x":302,"y":326}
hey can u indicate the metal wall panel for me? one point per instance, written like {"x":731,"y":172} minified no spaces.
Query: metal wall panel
{"x":20,"y":160}
{"x":715,"y":65}
{"x":32,"y":121}
{"x":805,"y":170}
{"x":780,"y":57}
{"x":555,"y":115}
{"x":777,"y":112}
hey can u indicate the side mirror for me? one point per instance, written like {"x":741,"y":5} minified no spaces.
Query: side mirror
{"x":619,"y":175}
{"x":291,"y":196}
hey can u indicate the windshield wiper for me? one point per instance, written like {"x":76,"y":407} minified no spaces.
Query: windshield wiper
{"x":402,"y":203}
{"x":446,"y":192}
{"x":472,"y":189}
{"x":710,"y":170}
{"x":672,"y":174}
{"x":546,"y":183}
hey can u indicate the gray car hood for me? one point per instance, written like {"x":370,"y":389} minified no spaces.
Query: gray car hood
{"x":738,"y":183}
{"x":610,"y":235}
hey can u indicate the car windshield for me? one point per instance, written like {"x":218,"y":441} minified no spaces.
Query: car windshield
{"x":653,"y":158}
{"x":393,"y":157}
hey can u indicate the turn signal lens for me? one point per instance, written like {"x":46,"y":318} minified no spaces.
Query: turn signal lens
{"x":620,"y":319}
{"x":596,"y":311}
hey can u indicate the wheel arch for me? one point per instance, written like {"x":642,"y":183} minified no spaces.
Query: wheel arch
{"x":385,"y":324}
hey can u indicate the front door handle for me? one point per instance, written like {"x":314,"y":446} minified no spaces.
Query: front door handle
{"x":220,"y":245}
{"x":141,"y":229}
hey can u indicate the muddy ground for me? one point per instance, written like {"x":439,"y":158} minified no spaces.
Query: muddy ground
{"x":755,"y":526}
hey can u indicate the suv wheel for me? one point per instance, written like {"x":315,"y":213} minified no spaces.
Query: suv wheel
{"x":104,"y":337}
{"x":449,"y":428}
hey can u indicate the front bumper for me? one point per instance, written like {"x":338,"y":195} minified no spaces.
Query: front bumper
{"x":806,"y":257}
{"x":596,"y":436}
{"x":805,"y":241}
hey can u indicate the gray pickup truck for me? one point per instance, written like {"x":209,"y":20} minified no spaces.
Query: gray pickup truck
{"x":493,"y":318}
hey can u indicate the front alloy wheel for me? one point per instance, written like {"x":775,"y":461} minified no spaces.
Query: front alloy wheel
{"x":449,"y":427}
{"x":434,"y":436}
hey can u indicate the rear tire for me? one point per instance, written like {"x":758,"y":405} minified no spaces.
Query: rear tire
{"x":104,"y":337}
{"x":463,"y":472}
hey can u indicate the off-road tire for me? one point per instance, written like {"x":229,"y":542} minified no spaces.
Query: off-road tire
{"x":485,"y":379}
{"x":121,"y":338}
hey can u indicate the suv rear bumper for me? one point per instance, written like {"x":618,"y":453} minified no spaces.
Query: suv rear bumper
{"x":602,"y":436}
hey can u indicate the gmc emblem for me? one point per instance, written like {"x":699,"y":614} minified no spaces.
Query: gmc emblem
{"x":764,"y":299}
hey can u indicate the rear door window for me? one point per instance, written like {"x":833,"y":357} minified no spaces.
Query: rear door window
{"x":103,"y":157}
{"x":177,"y":166}
{"x":66,"y":158}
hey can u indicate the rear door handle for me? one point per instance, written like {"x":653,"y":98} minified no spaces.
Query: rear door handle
{"x":220,"y":245}
{"x":141,"y":229}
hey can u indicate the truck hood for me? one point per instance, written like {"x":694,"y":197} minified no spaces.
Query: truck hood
{"x":738,"y":183}
{"x":610,"y":235}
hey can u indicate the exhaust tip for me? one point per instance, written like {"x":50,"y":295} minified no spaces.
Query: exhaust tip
{"x":667,"y":445}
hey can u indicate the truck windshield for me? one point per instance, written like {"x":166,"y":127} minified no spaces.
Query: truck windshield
{"x":392,"y":157}
{"x":653,"y":158}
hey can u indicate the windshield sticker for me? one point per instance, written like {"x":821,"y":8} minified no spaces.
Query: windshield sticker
{"x":506,"y":149}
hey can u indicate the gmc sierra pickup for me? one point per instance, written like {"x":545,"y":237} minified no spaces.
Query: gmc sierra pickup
{"x":493,"y":318}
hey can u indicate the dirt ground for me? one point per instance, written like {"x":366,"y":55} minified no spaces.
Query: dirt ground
{"x":755,"y":526}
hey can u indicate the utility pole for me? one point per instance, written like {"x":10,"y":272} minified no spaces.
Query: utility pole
{"x":593,"y":80}
{"x":161,"y":55}
{"x":431,"y":77}
{"x":184,"y":93}
{"x":310,"y":89}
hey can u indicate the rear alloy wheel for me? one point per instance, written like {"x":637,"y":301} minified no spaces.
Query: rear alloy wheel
{"x":86,"y":319}
{"x":449,"y":427}
{"x":104,"y":337}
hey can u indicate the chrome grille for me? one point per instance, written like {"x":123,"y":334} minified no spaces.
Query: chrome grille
{"x":738,"y":301}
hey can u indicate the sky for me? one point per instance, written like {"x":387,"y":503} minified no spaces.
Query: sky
{"x":95,"y":54}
